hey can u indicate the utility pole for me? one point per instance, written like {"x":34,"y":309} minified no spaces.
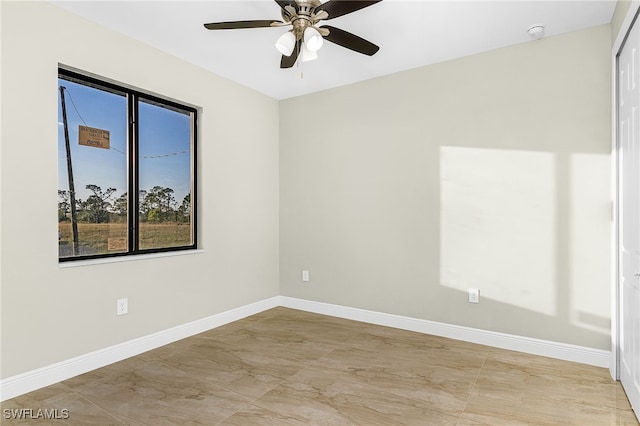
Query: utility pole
{"x":72,"y":191}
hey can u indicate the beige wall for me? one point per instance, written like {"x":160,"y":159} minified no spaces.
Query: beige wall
{"x":622,"y":7}
{"x":490,"y":171}
{"x":51,"y":314}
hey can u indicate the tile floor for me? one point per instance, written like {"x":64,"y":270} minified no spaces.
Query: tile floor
{"x":287,"y":367}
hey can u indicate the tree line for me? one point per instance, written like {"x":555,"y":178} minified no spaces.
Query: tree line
{"x":157,"y":205}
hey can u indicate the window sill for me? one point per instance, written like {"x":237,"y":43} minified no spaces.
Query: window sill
{"x":75,"y":264}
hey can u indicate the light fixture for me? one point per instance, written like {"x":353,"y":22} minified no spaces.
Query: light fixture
{"x":536,"y":32}
{"x":286,"y":43}
{"x":311,"y":42}
{"x":307,"y":54}
{"x":312,"y":39}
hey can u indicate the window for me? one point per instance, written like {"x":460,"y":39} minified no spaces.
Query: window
{"x":114,"y":142}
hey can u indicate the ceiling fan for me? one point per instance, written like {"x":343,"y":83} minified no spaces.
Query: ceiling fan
{"x":306,"y":37}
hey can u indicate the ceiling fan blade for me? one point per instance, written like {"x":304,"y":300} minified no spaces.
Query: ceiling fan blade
{"x":337,"y":8}
{"x":350,"y":41}
{"x":241,"y":24}
{"x":285,"y":3}
{"x":288,"y":61}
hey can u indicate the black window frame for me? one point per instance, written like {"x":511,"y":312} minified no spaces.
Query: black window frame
{"x":133,"y":97}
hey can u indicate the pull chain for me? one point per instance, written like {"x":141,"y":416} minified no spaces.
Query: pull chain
{"x":300,"y":64}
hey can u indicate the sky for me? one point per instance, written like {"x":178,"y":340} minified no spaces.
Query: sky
{"x":164,"y":139}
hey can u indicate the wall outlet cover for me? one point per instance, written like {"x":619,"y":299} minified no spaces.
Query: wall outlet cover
{"x":122,"y":306}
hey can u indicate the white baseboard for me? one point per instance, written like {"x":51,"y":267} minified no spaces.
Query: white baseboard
{"x":564,"y":351}
{"x":45,"y":376}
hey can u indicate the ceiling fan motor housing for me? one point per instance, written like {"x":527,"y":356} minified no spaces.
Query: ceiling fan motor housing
{"x":302,"y":18}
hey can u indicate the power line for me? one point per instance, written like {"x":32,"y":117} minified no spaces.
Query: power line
{"x":84,"y":122}
{"x":74,"y":107}
{"x":116,"y":150}
{"x":171,"y":154}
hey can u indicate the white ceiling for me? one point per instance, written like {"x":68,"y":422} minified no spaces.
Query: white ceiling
{"x":410,"y":34}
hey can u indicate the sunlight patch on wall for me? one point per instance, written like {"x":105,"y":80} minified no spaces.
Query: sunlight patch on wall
{"x":590,"y":241}
{"x":498,"y":225}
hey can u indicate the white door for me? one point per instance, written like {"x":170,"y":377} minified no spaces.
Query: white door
{"x":629,"y":208}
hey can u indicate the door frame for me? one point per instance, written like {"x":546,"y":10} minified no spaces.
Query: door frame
{"x":614,"y":363}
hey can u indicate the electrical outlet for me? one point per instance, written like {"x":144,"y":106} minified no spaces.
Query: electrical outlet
{"x":122,"y":306}
{"x":474,"y":295}
{"x":305,"y":276}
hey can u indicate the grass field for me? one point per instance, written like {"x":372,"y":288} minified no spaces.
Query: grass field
{"x":94,"y":238}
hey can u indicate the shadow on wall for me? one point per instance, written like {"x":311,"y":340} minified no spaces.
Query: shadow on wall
{"x":509,"y":204}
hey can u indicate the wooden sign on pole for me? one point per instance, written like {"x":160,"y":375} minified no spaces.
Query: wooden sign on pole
{"x":96,"y":138}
